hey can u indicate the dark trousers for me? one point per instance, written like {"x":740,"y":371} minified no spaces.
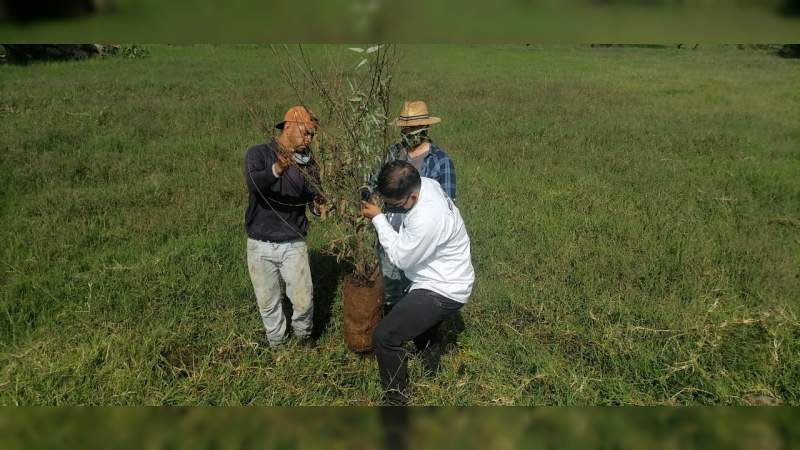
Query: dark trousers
{"x":416,"y":316}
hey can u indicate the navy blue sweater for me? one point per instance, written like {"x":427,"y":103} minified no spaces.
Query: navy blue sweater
{"x":276,"y":208}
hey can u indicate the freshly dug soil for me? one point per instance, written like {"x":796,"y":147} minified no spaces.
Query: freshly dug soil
{"x":363,"y":307}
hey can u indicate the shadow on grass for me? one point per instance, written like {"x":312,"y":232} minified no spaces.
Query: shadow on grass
{"x":326,"y":273}
{"x":452,"y":327}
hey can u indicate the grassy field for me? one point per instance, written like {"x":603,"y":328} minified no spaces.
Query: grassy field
{"x":634,"y":216}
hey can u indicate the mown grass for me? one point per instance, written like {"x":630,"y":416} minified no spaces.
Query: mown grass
{"x":634,"y":216}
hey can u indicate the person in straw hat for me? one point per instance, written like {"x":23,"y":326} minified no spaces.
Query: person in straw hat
{"x":280,"y":182}
{"x":417,"y":148}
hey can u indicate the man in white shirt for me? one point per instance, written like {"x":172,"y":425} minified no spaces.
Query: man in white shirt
{"x":432,"y":248}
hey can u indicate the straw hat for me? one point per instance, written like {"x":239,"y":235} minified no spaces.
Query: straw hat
{"x":415,"y":114}
{"x":299,"y":114}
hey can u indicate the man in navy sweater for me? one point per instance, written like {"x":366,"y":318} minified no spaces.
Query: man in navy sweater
{"x":281,"y":183}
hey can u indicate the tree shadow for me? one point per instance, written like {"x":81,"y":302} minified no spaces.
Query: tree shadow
{"x":326,"y":274}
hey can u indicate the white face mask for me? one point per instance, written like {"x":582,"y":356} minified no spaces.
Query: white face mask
{"x":302,"y":158}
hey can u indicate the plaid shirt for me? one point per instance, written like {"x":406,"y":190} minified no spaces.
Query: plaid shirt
{"x":437,"y":165}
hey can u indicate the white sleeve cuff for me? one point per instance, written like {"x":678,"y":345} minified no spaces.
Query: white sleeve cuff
{"x":273,"y":172}
{"x":382,"y":225}
{"x":380,"y":220}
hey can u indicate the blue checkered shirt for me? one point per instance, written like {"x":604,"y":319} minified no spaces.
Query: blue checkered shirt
{"x":436,"y":165}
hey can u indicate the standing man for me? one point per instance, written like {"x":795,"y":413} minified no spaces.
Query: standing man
{"x":276,"y":224}
{"x":417,"y":148}
{"x":432,"y":248}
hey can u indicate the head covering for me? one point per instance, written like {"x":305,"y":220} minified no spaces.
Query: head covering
{"x":414,"y":114}
{"x":299,"y":114}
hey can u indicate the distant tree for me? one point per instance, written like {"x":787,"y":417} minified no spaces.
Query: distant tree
{"x":24,"y":53}
{"x":30,"y":10}
{"x":790,"y":51}
{"x":790,"y":8}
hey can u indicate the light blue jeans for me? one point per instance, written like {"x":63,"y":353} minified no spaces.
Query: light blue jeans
{"x":270,"y":263}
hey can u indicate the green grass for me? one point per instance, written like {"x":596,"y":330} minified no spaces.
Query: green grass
{"x":634,"y":216}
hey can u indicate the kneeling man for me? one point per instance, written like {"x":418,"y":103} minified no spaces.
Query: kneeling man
{"x":432,"y":248}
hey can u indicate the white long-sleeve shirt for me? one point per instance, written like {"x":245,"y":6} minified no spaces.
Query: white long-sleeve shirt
{"x":432,"y":246}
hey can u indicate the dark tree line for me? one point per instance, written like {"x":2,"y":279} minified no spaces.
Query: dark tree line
{"x":24,"y":11}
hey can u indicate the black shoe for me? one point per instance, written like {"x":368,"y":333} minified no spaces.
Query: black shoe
{"x":394,"y":397}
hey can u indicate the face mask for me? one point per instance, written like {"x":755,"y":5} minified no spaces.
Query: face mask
{"x":414,"y":138}
{"x":398,"y":209}
{"x":302,"y":158}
